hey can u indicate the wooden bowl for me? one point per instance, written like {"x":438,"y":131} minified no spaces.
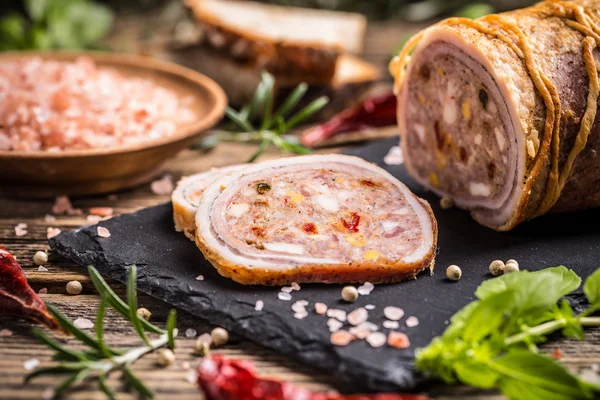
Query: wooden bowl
{"x":94,"y":171}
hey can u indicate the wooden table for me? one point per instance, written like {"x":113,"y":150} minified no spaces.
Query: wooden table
{"x":171,"y":383}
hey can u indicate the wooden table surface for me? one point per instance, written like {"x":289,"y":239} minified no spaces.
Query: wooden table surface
{"x":171,"y":383}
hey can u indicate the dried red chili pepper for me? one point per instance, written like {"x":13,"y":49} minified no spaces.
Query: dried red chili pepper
{"x":16,"y":296}
{"x":224,"y":379}
{"x":371,"y":113}
{"x":352,"y":224}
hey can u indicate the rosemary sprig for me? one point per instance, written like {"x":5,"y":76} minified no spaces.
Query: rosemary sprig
{"x":100,"y":360}
{"x":272,"y":128}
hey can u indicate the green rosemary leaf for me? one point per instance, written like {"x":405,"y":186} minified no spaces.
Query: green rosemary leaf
{"x":100,"y":328}
{"x":136,"y":383}
{"x":105,"y":388}
{"x":261,"y":149}
{"x":249,"y":111}
{"x":115,"y":301}
{"x":61,"y":350}
{"x":239,"y":120}
{"x":59,"y":369}
{"x":132,"y":303}
{"x":306,"y":112}
{"x":65,"y":385}
{"x":268,"y":81}
{"x":68,"y":326}
{"x":291,"y":101}
{"x":290,"y":147}
{"x":171,"y":322}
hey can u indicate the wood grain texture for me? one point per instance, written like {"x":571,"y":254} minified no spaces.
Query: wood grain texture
{"x":171,"y":383}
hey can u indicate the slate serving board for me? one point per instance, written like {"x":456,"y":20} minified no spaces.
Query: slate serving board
{"x":168,"y":265}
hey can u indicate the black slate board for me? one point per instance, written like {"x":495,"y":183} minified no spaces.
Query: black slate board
{"x":168,"y":264}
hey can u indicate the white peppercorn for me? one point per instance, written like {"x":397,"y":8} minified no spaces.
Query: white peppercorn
{"x":40,"y":258}
{"x":219,"y":337}
{"x":165,"y":357}
{"x":349,"y":294}
{"x":497,"y":267}
{"x":453,"y":272}
{"x":511,"y":261}
{"x":143,"y":313}
{"x":511,"y":267}
{"x":74,"y":287}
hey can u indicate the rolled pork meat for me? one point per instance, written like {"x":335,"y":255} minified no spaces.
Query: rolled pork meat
{"x":317,"y":218}
{"x":499,"y":113}
{"x":187,"y":196}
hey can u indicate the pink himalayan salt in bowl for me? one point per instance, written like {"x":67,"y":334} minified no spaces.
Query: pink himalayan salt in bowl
{"x":86,"y":123}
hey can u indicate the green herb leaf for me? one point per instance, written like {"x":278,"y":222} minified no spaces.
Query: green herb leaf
{"x":291,"y":102}
{"x":105,"y":388}
{"x":137,"y":384}
{"x":238,"y":119}
{"x":268,"y":81}
{"x":36,"y":9}
{"x":591,"y":288}
{"x":476,"y":374}
{"x":54,"y":370}
{"x":69,"y":327}
{"x":171,"y":322}
{"x":100,"y":328}
{"x":65,"y":385}
{"x":133,"y":305}
{"x":12,"y":32}
{"x":62,"y":351}
{"x":539,"y":371}
{"x":487,"y":317}
{"x":313,"y":107}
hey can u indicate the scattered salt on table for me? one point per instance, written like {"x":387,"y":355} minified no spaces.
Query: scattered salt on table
{"x":43,"y":290}
{"x":49,"y":218}
{"x":341,"y":338}
{"x":358,"y":316}
{"x":393,"y":313}
{"x":162,"y":186}
{"x":365,"y":289}
{"x":259,"y":305}
{"x":5,"y":333}
{"x":103,"y":232}
{"x":190,"y":333}
{"x":21,"y":229}
{"x":340,"y":315}
{"x":391,"y":324}
{"x":42,"y":269}
{"x":376,"y":339}
{"x":412,"y":322}
{"x":321,"y":308}
{"x":295,"y":286}
{"x":83,"y":323}
{"x":398,"y":340}
{"x":51,"y":232}
{"x":334,"y":325}
{"x":31,"y":364}
{"x":200,"y":278}
{"x":394,"y":156}
{"x":370,"y":307}
{"x":284,"y":296}
{"x":93,"y":219}
{"x":287,"y":289}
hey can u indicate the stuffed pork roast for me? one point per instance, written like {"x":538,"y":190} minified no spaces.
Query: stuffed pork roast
{"x":498,"y":114}
{"x":318,"y":218}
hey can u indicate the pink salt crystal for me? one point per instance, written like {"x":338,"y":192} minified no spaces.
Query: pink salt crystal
{"x":370,"y":307}
{"x":391,"y":324}
{"x":295,"y":286}
{"x":200,"y":278}
{"x":358,"y":316}
{"x":62,"y":205}
{"x":376,"y":339}
{"x":43,"y":291}
{"x":341,"y":338}
{"x":301,"y":315}
{"x":5,"y":333}
{"x":162,"y":186}
{"x":101,"y":211}
{"x":368,"y":325}
{"x":334,"y":325}
{"x":49,"y":218}
{"x":340,"y":315}
{"x":287,"y":289}
{"x":21,"y":230}
{"x":205,"y":338}
{"x":48,"y":394}
{"x":31,"y":364}
{"x":398,"y":340}
{"x":321,"y":308}
{"x":393,"y":313}
{"x":394,"y":156}
{"x":411,"y":322}
{"x":93,"y":219}
{"x":360,"y":332}
{"x":259,"y":305}
{"x":51,"y":232}
{"x":83,"y":323}
{"x":103,"y":232}
{"x":41,"y":268}
{"x":284,"y":296}
{"x":365,"y":289}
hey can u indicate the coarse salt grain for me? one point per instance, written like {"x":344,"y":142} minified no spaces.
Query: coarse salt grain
{"x":42,"y":269}
{"x":101,"y":211}
{"x":370,"y":307}
{"x":49,"y":218}
{"x":321,"y":308}
{"x":334,"y":325}
{"x":358,"y":316}
{"x":369,"y":325}
{"x":365,"y":289}
{"x":391,"y":324}
{"x":393,"y":313}
{"x":190,"y":333}
{"x":162,"y":186}
{"x":205,"y":338}
{"x":394,"y":156}
{"x":62,"y":205}
{"x":341,"y":338}
{"x":299,"y":306}
{"x":259,"y":305}
{"x":5,"y":333}
{"x":51,"y":105}
{"x":200,"y":278}
{"x":287,"y":289}
{"x":295,"y":286}
{"x":284,"y":296}
{"x":360,"y":332}
{"x":301,"y":315}
{"x":340,"y":315}
{"x":398,"y":340}
{"x":52,"y":232}
{"x":43,"y":291}
{"x":83,"y":323}
{"x":411,"y":322}
{"x":103,"y":232}
{"x":21,"y":230}
{"x":31,"y":364}
{"x":93,"y":219}
{"x":376,"y":339}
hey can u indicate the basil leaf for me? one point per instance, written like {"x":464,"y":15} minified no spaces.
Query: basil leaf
{"x":539,"y":371}
{"x":476,"y":374}
{"x":36,"y":9}
{"x":12,"y":32}
{"x":591,"y":288}
{"x":518,"y":390}
{"x":488,"y":316}
{"x":574,"y":329}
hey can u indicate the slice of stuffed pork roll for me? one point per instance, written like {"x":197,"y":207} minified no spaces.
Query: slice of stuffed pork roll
{"x":498,"y":113}
{"x":187,"y":195}
{"x":316,"y":218}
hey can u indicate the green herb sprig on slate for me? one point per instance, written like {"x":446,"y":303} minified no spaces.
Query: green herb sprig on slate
{"x":274,"y":125}
{"x":100,"y":360}
{"x":491,"y":343}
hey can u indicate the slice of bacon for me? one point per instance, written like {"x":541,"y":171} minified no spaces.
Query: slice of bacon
{"x":225,"y":379}
{"x":187,"y":196}
{"x":16,"y":296}
{"x":318,"y":218}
